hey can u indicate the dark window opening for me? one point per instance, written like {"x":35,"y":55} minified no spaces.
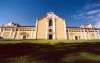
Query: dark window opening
{"x":24,"y":36}
{"x":76,"y":37}
{"x":50,"y":30}
{"x":50,"y":36}
{"x":50,"y":23}
{"x":16,"y":29}
{"x":66,"y":30}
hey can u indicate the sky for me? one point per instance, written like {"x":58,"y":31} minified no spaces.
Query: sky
{"x":75,"y":12}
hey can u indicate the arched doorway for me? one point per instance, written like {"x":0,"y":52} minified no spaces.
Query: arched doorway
{"x":50,"y":36}
{"x":24,"y":36}
{"x":76,"y":37}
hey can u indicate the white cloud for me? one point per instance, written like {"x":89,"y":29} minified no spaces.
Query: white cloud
{"x":90,"y":6}
{"x":92,"y":14}
{"x":95,"y":5}
{"x":79,"y":16}
{"x":97,"y":24}
{"x":93,"y":11}
{"x":90,"y":17}
{"x":98,"y":15}
{"x":74,"y":16}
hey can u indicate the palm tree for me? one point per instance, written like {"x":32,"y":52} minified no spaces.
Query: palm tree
{"x":24,"y":34}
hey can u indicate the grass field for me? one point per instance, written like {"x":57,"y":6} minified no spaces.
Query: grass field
{"x":50,"y":51}
{"x":46,"y":41}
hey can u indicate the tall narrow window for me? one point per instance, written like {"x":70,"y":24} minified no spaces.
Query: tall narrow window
{"x":50,"y":23}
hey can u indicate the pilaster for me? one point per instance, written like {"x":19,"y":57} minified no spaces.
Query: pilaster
{"x":65,"y":29}
{"x":69,"y":34}
{"x":3,"y":30}
{"x":31,"y":33}
{"x":95,"y":34}
{"x":10,"y":34}
{"x":14,"y":33}
{"x":47,"y":29}
{"x":34,"y":34}
{"x":85,"y":34}
{"x":98,"y":34}
{"x":36,"y":29}
{"x":18,"y":34}
{"x":88,"y":34}
{"x":53,"y":28}
{"x":81,"y":33}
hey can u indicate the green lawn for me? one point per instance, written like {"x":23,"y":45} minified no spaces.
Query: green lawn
{"x":50,"y":51}
{"x":47,"y":41}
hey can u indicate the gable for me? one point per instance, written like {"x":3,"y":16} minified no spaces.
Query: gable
{"x":50,"y":15}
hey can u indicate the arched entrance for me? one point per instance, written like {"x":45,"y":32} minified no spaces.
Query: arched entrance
{"x":24,"y":36}
{"x":76,"y":37}
{"x":50,"y":36}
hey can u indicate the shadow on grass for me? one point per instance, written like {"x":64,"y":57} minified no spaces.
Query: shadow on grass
{"x":46,"y":53}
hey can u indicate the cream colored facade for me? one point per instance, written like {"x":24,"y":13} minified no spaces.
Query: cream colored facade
{"x":49,"y":27}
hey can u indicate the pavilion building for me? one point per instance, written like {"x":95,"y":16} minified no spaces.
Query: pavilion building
{"x":49,"y":26}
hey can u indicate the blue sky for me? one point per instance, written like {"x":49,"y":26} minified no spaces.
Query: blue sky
{"x":75,"y":12}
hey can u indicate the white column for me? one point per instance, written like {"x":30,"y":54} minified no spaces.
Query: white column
{"x":34,"y":35}
{"x":3,"y":30}
{"x":10,"y":34}
{"x":81,"y":34}
{"x":0,"y":29}
{"x":14,"y":33}
{"x":88,"y":34}
{"x":95,"y":34}
{"x":22,"y":37}
{"x":65,"y":29}
{"x":53,"y":28}
{"x":18,"y":33}
{"x":85,"y":34}
{"x":73,"y":37}
{"x":46,"y":29}
{"x":36,"y":29}
{"x":55,"y":31}
{"x":98,"y":34}
{"x":26,"y":37}
{"x":69,"y":34}
{"x":31,"y":33}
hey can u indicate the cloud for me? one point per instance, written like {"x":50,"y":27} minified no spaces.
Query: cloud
{"x":97,"y":17}
{"x":90,"y":6}
{"x":93,"y":12}
{"x":74,"y":16}
{"x":90,"y":17}
{"x":79,"y":16}
{"x":97,"y":24}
